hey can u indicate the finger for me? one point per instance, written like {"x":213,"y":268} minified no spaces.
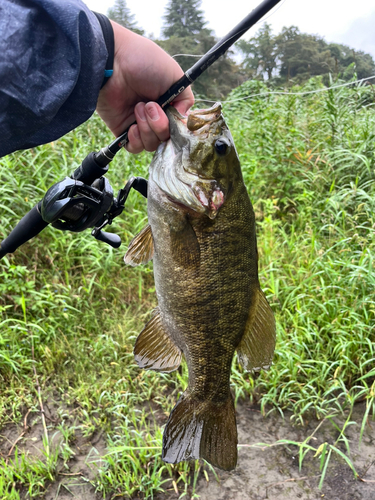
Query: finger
{"x":149,"y":139}
{"x":184,"y":101}
{"x":135,"y":144}
{"x":157,"y":120}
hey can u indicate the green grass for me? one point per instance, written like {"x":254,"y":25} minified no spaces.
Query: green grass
{"x":70,"y":308}
{"x":312,"y":181}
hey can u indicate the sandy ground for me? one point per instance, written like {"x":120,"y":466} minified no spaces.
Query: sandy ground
{"x":262,"y":473}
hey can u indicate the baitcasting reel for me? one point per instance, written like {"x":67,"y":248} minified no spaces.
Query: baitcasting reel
{"x":84,"y":200}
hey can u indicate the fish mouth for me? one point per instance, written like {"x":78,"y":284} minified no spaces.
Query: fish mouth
{"x":201,"y":118}
{"x":187,"y":189}
{"x":197,"y":122}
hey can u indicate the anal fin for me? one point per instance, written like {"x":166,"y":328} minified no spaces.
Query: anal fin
{"x":141,"y":248}
{"x":154,"y":349}
{"x":255,"y":351}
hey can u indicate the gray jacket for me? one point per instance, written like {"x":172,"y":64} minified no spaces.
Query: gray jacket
{"x":52,"y":61}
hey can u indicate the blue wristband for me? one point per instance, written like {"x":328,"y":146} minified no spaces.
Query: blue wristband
{"x":109,"y":39}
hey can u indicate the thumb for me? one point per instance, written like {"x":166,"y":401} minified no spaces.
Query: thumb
{"x":184,"y":101}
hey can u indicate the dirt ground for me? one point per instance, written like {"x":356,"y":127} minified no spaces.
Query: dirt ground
{"x":262,"y":473}
{"x":273,"y":473}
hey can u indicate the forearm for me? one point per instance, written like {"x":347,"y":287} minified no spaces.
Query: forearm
{"x":52,"y":60}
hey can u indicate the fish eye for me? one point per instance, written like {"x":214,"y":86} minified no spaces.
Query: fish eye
{"x":221,"y":147}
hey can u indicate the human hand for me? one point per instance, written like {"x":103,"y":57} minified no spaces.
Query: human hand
{"x":142,"y":72}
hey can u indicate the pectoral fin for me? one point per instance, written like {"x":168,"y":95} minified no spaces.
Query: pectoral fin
{"x":154,"y":349}
{"x":255,"y":351}
{"x":185,"y":246}
{"x":141,"y":248}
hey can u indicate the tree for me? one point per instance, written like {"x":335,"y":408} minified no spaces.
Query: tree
{"x":121,"y":14}
{"x":186,"y":34}
{"x":260,"y":53}
{"x":183,"y":19}
{"x":294,"y":56}
{"x":302,"y":56}
{"x":349,"y":61}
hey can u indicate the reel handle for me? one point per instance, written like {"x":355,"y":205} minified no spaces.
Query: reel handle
{"x":111,"y":239}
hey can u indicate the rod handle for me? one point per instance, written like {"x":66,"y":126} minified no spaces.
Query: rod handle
{"x":29,"y":226}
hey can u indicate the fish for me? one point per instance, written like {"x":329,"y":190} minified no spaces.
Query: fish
{"x":201,"y":236}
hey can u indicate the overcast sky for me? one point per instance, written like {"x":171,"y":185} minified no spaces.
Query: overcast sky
{"x":342,"y":21}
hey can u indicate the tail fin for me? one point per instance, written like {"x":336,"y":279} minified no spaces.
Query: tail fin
{"x":201,"y":429}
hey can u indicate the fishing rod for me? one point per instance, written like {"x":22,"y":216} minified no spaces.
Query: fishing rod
{"x":85,"y":199}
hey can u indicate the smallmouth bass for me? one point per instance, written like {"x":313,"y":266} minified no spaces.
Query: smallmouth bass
{"x":201,"y":236}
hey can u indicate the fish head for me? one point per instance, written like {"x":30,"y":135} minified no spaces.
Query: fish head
{"x":198,"y":165}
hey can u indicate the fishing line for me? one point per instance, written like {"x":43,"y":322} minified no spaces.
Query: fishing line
{"x":264,"y":19}
{"x":265,"y":94}
{"x":188,"y":55}
{"x":259,"y":22}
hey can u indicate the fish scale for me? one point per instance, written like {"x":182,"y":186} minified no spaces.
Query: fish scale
{"x":210,"y":303}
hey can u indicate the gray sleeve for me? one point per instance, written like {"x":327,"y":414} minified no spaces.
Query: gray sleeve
{"x":52,"y":61}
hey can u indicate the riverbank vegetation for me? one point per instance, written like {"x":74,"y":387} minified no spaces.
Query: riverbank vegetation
{"x":70,"y":310}
{"x":286,"y":58}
